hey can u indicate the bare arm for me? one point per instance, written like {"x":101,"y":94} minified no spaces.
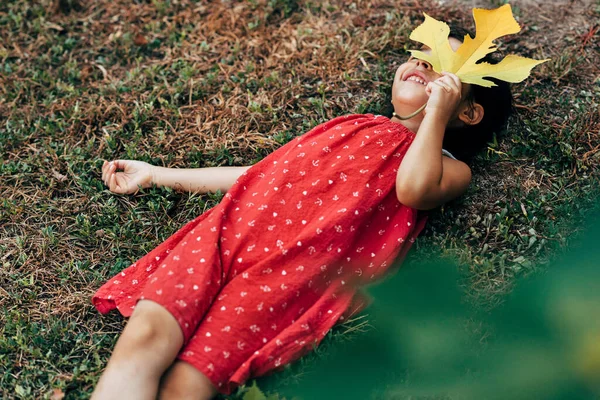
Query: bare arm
{"x":200,"y":180}
{"x":425,"y":178}
{"x":134,"y":174}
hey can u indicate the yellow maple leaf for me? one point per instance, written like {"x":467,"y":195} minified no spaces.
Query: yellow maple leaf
{"x":489,"y":25}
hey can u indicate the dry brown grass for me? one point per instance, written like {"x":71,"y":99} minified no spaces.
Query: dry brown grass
{"x":194,"y":84}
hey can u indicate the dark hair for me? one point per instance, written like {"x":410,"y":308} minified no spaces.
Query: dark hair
{"x":497,"y":101}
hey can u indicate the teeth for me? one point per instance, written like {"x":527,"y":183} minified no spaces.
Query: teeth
{"x":416,"y":79}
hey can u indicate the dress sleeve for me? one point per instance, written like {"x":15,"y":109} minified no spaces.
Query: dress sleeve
{"x":447,"y":153}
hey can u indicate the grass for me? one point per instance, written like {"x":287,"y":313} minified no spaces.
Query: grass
{"x":198,"y":84}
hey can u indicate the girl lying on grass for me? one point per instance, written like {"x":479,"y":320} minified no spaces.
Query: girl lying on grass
{"x":257,"y":281}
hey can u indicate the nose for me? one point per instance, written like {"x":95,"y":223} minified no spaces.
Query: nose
{"x":424,"y":64}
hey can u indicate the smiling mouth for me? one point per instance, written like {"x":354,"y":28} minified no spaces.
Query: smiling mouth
{"x":416,"y":79}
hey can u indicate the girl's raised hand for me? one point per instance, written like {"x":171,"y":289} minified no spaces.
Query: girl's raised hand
{"x":444,"y":96}
{"x":134,"y":173}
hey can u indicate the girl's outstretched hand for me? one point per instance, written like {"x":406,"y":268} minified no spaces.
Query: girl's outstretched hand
{"x":444,"y":96}
{"x":134,"y":173}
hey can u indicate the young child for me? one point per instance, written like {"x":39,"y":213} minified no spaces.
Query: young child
{"x":257,"y":281}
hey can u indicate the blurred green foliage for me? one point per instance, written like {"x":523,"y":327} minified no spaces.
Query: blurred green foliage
{"x":427,"y":342}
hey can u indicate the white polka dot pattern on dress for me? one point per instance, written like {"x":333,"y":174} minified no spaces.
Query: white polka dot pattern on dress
{"x":333,"y":199}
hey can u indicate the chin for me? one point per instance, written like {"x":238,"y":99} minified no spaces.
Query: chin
{"x":409,"y":96}
{"x":407,"y":105}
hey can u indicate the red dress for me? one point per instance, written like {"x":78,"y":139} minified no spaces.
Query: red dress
{"x":258,"y":280}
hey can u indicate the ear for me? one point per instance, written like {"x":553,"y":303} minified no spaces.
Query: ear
{"x":471,"y":114}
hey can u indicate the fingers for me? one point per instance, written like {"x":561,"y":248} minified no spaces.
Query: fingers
{"x":109,"y":175}
{"x":107,"y":169}
{"x":112,"y":182}
{"x":120,"y":163}
{"x":454,"y":79}
{"x":104,"y":171}
{"x":112,"y":170}
{"x":448,"y":82}
{"x":443,"y":85}
{"x":437,"y":84}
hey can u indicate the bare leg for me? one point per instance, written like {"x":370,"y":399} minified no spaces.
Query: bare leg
{"x":183,"y":381}
{"x":147,"y":347}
